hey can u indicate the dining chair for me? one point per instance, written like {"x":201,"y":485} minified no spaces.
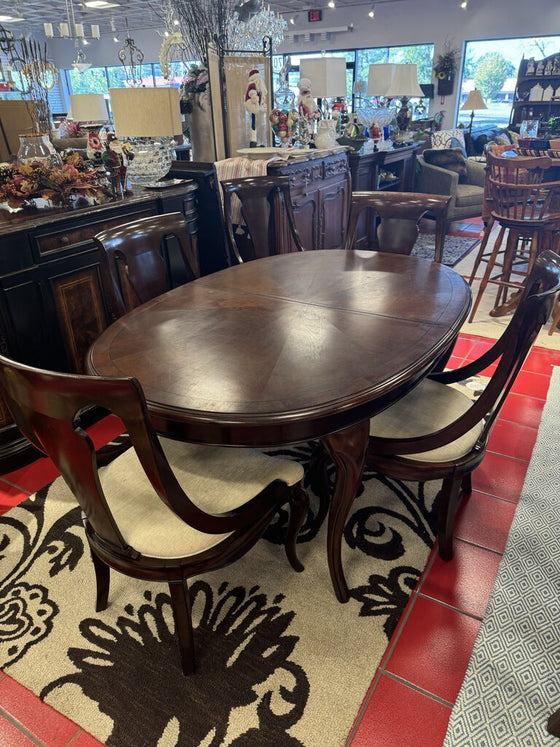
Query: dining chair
{"x":527,"y":209}
{"x":136,"y":257}
{"x":262,"y":222}
{"x":399,"y":214}
{"x":164,"y":510}
{"x":436,"y":431}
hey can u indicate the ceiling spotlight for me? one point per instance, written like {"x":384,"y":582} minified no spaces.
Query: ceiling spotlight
{"x":463,"y":4}
{"x":116,"y":39}
{"x":371,"y":13}
{"x":175,"y":22}
{"x":331,"y":4}
{"x":292,"y":20}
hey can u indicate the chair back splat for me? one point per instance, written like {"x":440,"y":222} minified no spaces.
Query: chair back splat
{"x":160,"y":510}
{"x":259,"y":217}
{"x":137,"y":259}
{"x":437,"y":432}
{"x":399,"y":214}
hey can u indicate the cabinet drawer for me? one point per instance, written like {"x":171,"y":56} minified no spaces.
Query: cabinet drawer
{"x":69,"y":237}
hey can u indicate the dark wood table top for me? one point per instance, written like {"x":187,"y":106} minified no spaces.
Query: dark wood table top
{"x":286,"y":348}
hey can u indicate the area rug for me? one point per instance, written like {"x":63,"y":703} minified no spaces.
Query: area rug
{"x":512,"y":684}
{"x":454,"y":249}
{"x":279,"y":660}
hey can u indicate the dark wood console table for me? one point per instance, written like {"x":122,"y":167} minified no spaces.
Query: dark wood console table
{"x":367,"y":172}
{"x":52,"y":301}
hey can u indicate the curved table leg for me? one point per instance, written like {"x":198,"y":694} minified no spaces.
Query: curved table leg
{"x":348,"y":451}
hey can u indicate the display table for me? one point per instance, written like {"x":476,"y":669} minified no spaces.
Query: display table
{"x":320,"y":188}
{"x":52,"y":300}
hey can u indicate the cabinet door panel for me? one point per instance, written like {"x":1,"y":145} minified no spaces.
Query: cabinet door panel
{"x":81,"y":314}
{"x":333,"y":217}
{"x":306,"y":214}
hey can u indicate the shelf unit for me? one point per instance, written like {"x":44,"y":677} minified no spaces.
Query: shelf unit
{"x":548,"y":75}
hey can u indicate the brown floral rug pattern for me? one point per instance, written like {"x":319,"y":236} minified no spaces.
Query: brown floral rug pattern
{"x":279,"y":660}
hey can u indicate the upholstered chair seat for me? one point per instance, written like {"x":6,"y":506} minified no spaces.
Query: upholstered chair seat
{"x":426,"y":409}
{"x":215,"y":478}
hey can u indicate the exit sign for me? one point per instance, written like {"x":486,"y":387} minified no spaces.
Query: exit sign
{"x":314,"y":15}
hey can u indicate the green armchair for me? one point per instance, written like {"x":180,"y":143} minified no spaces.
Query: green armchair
{"x":467,"y":195}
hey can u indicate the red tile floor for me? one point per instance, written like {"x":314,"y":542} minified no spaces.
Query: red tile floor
{"x":412,"y":693}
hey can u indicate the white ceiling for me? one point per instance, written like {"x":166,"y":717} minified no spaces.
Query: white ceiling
{"x":138,"y":14}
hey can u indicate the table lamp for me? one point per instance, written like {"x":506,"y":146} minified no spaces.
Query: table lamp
{"x":328,"y":78}
{"x":403,"y":85}
{"x":151,"y":117}
{"x":473,"y":102}
{"x":379,"y":78}
{"x":89,"y":107}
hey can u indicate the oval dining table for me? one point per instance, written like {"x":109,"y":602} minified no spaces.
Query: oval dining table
{"x":290,"y":348}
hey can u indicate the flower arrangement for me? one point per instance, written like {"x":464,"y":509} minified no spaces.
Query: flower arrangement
{"x":446,"y":63}
{"x":20,"y":185}
{"x":194,"y":88}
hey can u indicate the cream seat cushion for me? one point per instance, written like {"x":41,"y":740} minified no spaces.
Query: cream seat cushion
{"x":427,"y":408}
{"x":216,"y":479}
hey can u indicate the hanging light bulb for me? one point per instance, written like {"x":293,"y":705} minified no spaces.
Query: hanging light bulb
{"x":331,"y":4}
{"x":292,"y":20}
{"x":464,"y":4}
{"x":371,"y":13}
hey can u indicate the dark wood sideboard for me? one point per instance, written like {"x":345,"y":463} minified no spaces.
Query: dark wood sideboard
{"x":320,"y":188}
{"x":52,"y":300}
{"x":367,"y":173}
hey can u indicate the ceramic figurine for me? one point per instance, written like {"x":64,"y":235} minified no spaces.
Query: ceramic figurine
{"x":306,"y":104}
{"x":548,"y":68}
{"x":254,"y":102}
{"x":116,"y":158}
{"x":540,"y":68}
{"x":530,"y":66}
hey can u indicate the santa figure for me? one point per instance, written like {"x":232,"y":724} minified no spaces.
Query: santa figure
{"x":306,"y":103}
{"x":255,"y":101}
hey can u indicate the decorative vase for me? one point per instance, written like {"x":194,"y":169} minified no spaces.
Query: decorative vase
{"x":201,"y":132}
{"x":37,"y":148}
{"x":326,"y":133}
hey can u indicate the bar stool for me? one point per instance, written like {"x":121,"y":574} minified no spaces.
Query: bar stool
{"x":529,"y":209}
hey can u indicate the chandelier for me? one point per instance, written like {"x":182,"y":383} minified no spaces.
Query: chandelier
{"x":70,"y":29}
{"x":248,"y":32}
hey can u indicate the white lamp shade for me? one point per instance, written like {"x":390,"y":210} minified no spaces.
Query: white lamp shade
{"x":474,"y":101}
{"x":405,"y":82}
{"x":146,"y":112}
{"x":327,"y":76}
{"x":379,"y":79}
{"x":88,"y":107}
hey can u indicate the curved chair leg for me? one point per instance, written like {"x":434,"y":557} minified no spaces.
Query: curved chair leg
{"x":102,"y":580}
{"x":181,"y":605}
{"x":299,"y":506}
{"x":466,"y":484}
{"x":450,"y":498}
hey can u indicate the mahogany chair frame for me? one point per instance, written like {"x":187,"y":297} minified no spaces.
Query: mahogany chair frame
{"x":399,"y":214}
{"x":46,"y":405}
{"x":134,"y":267}
{"x":389,"y":455}
{"x":265,"y":200}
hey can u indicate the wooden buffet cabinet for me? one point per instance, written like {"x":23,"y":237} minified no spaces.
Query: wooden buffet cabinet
{"x":320,"y":188}
{"x":52,"y":300}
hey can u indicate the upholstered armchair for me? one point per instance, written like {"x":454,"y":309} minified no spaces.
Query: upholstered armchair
{"x":466,"y":189}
